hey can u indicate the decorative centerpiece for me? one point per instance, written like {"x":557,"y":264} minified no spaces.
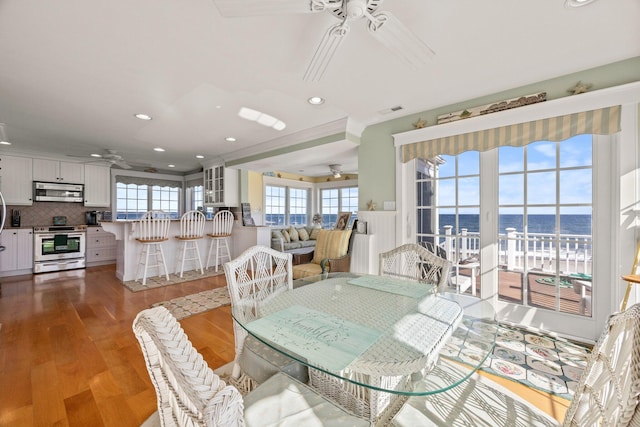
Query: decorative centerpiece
{"x":317,"y":219}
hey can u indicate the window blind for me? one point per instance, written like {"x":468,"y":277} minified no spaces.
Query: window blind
{"x":603,"y":121}
{"x":148,"y":181}
{"x":194,"y":183}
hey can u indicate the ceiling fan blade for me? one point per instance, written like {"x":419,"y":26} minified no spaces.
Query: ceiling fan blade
{"x":399,"y":39}
{"x":122,"y":164}
{"x":233,"y":8}
{"x":328,"y":46}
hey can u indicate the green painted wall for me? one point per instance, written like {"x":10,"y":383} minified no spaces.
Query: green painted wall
{"x":376,"y":154}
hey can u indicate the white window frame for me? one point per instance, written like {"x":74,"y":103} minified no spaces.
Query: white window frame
{"x":340,"y":186}
{"x":287,"y":184}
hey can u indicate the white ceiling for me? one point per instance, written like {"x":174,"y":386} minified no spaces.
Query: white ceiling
{"x":74,"y":72}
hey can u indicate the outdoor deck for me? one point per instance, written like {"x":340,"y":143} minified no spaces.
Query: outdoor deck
{"x":540,"y":295}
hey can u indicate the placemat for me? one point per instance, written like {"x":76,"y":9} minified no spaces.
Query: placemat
{"x":327,"y":340}
{"x":408,"y":288}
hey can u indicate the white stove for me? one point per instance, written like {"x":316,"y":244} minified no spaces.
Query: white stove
{"x":58,"y":247}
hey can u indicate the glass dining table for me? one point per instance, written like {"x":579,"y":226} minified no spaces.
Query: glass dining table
{"x":370,"y":341}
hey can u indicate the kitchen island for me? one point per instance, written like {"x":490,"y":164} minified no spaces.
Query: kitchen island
{"x":128,"y":248}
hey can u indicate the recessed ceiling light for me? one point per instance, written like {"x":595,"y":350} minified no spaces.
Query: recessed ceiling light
{"x":199,"y":156}
{"x":5,"y":143}
{"x":172,"y":166}
{"x":96,"y":155}
{"x":230,"y":139}
{"x":158,"y":149}
{"x":315,"y":100}
{"x":143,"y":116}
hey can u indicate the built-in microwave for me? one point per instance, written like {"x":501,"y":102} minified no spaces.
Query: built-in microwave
{"x":58,"y":192}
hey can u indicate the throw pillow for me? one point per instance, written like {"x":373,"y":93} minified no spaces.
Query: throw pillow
{"x":331,"y":244}
{"x":286,"y":236}
{"x":314,"y":233}
{"x":276,"y":234}
{"x":293,"y":234}
{"x":302,"y":234}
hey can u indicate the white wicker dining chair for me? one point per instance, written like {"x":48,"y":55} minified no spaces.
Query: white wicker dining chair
{"x":412,"y":261}
{"x":189,"y":393}
{"x":222,"y":225}
{"x":258,"y":273}
{"x":191,"y":230}
{"x":152,"y":231}
{"x":607,"y":394}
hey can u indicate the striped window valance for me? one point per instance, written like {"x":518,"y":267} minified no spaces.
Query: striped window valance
{"x":604,"y":121}
{"x":194,"y":182}
{"x":124,"y":179}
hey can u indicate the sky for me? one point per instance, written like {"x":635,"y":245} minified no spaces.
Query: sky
{"x":573,"y":157}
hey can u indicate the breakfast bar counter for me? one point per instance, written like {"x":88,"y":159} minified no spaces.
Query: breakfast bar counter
{"x":129,"y":248}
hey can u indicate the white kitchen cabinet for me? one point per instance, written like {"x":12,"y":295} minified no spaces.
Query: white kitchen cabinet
{"x":101,"y":247}
{"x":221,"y":186}
{"x":17,"y":258}
{"x":16,"y":180}
{"x":97,"y":186}
{"x":57,"y":171}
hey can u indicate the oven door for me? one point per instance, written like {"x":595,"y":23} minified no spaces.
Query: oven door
{"x":58,"y":245}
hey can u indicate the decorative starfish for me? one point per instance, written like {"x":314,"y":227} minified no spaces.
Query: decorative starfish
{"x":420,"y":123}
{"x":580,"y":88}
{"x":371,"y":205}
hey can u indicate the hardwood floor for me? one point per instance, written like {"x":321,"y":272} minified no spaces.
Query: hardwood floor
{"x":68,"y":356}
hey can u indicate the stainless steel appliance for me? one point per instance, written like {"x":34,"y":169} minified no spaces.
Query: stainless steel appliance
{"x":58,"y":192}
{"x":15,"y":218}
{"x":93,"y":217}
{"x":59,"y":247}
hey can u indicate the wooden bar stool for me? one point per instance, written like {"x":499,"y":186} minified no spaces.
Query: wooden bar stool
{"x":191,"y":230}
{"x":630,"y":279}
{"x":222,"y":226}
{"x":153,"y":230}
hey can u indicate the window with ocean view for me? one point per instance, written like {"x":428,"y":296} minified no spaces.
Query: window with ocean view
{"x":133,"y":200}
{"x":286,"y":205}
{"x":544,"y":204}
{"x":335,"y":200}
{"x":545,"y":216}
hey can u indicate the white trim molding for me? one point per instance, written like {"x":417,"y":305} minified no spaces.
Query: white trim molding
{"x":617,"y":95}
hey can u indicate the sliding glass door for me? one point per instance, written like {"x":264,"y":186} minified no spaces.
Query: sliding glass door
{"x":517,"y":224}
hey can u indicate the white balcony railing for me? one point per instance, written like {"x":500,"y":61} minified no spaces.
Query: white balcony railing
{"x":568,"y":253}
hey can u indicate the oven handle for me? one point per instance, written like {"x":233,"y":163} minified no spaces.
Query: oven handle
{"x":51,"y":236}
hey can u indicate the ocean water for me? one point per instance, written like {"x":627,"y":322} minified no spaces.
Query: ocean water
{"x":569,"y":224}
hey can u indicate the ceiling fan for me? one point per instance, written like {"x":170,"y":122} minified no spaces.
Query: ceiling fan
{"x":110,"y":156}
{"x":383,"y":26}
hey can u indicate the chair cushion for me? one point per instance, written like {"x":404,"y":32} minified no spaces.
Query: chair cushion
{"x":331,"y":244}
{"x":306,"y":270}
{"x":476,"y":402}
{"x":283,"y":401}
{"x":302,"y":234}
{"x":293,"y":234}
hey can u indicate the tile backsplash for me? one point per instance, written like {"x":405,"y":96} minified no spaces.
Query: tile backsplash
{"x":42,"y":213}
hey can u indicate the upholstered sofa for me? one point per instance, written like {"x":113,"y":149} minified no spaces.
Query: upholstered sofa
{"x":287,"y":239}
{"x":332,"y":253}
